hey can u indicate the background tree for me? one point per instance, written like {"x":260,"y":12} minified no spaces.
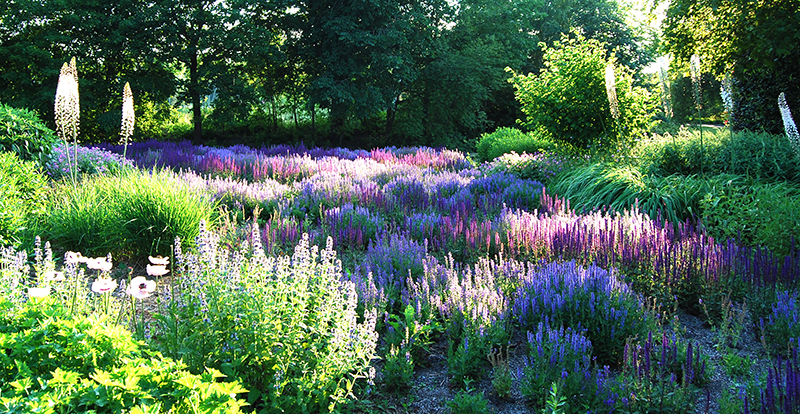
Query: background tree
{"x":757,"y":41}
{"x":568,"y":98}
{"x":112,"y":43}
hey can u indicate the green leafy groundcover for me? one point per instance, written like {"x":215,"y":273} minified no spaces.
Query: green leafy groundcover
{"x":52,"y":362}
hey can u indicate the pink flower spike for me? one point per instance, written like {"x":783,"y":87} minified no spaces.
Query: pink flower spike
{"x":141,"y":288}
{"x":104,"y":285}
{"x":38,"y":292}
{"x":158,"y":260}
{"x":157,"y":270}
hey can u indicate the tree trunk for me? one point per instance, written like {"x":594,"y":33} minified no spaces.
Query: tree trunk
{"x":274,"y":113}
{"x":194,"y":94}
{"x":391,"y":113}
{"x":313,"y":120}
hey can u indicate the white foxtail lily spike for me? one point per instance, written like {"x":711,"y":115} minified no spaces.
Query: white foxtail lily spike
{"x":611,"y":90}
{"x":67,"y":106}
{"x":788,"y":124}
{"x":128,"y":117}
{"x":694,"y":66}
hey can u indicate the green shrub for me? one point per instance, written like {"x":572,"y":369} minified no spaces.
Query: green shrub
{"x":285,"y":327}
{"x":506,"y":140}
{"x":753,"y":213}
{"x":755,"y":154}
{"x":23,"y":133}
{"x":569,"y":100}
{"x":133,"y":214}
{"x":22,"y":187}
{"x":52,"y":362}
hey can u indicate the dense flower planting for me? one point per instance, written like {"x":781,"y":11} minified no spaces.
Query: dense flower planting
{"x":422,"y":246}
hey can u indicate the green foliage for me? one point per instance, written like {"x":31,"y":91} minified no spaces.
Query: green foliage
{"x":754,"y":214}
{"x":407,"y":341}
{"x":568,"y":98}
{"x":555,"y":401}
{"x":505,"y":140}
{"x":757,"y":42}
{"x":55,"y":363}
{"x":285,"y":327}
{"x":673,"y":198}
{"x":466,"y":403}
{"x":22,"y":187}
{"x":683,"y":103}
{"x":133,"y":214}
{"x":758,"y":155}
{"x":501,"y":372}
{"x":466,"y":359}
{"x":23,"y":133}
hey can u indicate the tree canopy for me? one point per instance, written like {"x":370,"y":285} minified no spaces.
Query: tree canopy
{"x":757,"y":41}
{"x":425,"y":71}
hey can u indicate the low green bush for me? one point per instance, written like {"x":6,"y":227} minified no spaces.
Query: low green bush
{"x":466,"y":403}
{"x":23,"y":133}
{"x":132,"y":214}
{"x":22,"y":187}
{"x":506,"y":140}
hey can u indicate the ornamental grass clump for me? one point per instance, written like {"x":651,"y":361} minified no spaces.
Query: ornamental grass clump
{"x":286,"y":327}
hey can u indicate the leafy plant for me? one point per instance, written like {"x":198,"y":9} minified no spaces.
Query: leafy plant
{"x":568,"y":98}
{"x":23,"y":133}
{"x":286,"y":327}
{"x":23,"y":188}
{"x":466,"y":403}
{"x":754,"y":214}
{"x":52,"y":362}
{"x":555,"y":401}
{"x":501,"y":372}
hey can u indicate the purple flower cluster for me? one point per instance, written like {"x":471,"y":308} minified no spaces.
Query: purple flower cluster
{"x":282,"y":163}
{"x":781,"y":392}
{"x":667,"y":359}
{"x":90,"y":161}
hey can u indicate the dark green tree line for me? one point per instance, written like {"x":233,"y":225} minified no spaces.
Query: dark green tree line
{"x":411,"y":71}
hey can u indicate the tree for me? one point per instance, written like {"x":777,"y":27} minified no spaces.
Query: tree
{"x":757,"y":41}
{"x":360,"y":56}
{"x":569,"y":98}
{"x":112,"y":43}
